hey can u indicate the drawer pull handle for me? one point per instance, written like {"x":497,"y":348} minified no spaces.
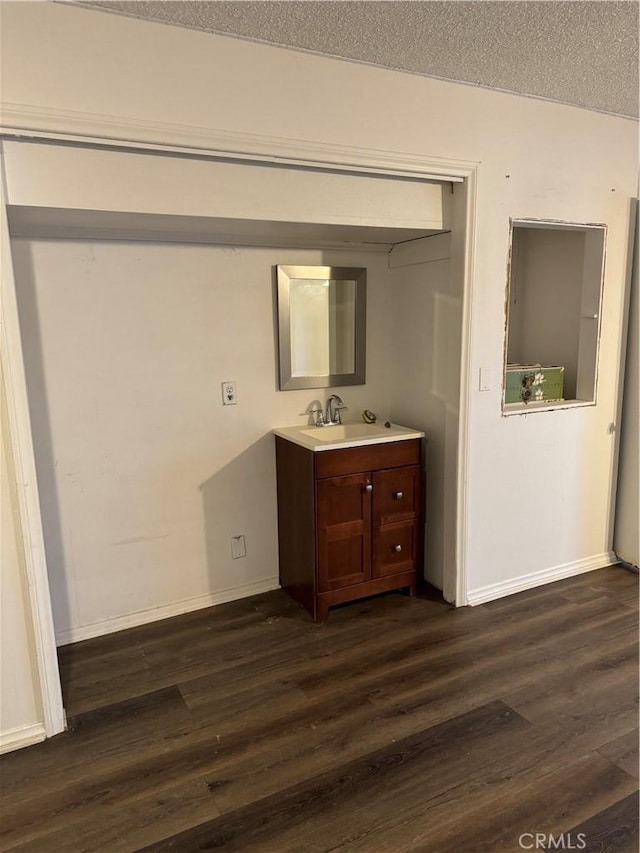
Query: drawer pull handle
{"x":397,"y":548}
{"x":368,"y":487}
{"x":399,"y":495}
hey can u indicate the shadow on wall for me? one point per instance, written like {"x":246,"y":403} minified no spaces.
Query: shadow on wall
{"x":39,"y":411}
{"x":240,"y":499}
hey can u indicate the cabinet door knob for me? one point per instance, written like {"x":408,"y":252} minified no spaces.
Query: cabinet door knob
{"x":399,"y":495}
{"x":397,"y":548}
{"x":368,"y":487}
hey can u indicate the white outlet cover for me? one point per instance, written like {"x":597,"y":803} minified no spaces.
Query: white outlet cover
{"x":229,"y":393}
{"x":238,"y":547}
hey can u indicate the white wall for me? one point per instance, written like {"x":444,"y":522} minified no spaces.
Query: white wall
{"x":108,"y":75}
{"x":426,"y":321}
{"x":21,"y":714}
{"x":144,"y":475}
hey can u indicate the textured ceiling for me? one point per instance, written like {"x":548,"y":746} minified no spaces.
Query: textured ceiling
{"x":582,"y":53}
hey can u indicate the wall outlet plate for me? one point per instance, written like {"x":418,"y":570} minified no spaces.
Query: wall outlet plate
{"x":229,"y":394}
{"x":238,"y":547}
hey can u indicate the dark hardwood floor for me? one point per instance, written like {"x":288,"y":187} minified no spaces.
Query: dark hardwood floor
{"x":399,"y":725}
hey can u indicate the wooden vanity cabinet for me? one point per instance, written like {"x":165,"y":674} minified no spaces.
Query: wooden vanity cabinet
{"x":349,"y":521}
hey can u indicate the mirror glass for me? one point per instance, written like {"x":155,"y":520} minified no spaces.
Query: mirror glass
{"x":321,"y":326}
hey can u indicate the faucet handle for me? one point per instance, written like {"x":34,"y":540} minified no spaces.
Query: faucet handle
{"x":337,"y":418}
{"x":334,"y":405}
{"x":315,"y":408}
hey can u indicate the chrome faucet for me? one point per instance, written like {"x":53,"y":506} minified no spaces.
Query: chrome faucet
{"x":332,"y":415}
{"x":316,"y":412}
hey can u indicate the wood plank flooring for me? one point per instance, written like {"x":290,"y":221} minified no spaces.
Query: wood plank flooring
{"x":398,"y":725}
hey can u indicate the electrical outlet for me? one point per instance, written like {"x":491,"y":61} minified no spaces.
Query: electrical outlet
{"x":238,"y":547}
{"x":229,"y":395}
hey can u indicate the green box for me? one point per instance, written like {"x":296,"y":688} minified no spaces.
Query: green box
{"x":532,"y":383}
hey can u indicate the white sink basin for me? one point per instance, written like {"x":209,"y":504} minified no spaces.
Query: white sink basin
{"x":345,"y":435}
{"x":340,"y":431}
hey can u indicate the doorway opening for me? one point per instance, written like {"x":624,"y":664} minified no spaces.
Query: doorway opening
{"x":147,"y":262}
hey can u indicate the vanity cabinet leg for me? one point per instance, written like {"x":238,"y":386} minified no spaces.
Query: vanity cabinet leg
{"x":322,"y":611}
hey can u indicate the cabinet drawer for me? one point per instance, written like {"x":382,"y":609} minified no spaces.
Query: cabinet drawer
{"x":371,"y":457}
{"x":396,"y":494}
{"x":395,"y":548}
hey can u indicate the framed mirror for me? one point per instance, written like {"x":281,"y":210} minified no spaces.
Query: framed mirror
{"x":321,"y":326}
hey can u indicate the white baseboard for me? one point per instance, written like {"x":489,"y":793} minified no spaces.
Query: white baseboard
{"x":21,"y":736}
{"x":556,"y":573}
{"x":153,"y":614}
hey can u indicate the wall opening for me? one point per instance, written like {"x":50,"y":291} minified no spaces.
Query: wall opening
{"x":554,"y":294}
{"x":71,"y":260}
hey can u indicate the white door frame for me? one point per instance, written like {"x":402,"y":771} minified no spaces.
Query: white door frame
{"x":30,"y":519}
{"x":260,"y":150}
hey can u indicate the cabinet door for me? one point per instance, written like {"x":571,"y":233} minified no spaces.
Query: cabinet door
{"x":396,"y":494}
{"x":344,"y":531}
{"x":395,"y":548}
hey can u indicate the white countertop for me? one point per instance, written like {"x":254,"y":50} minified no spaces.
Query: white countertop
{"x":341,"y":436}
